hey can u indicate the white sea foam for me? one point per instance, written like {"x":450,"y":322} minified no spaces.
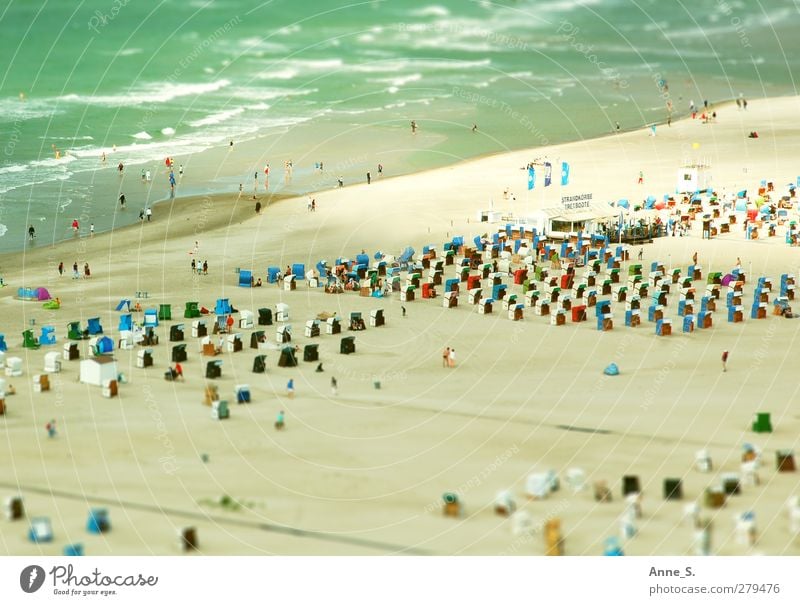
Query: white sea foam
{"x":161,"y":92}
{"x":128,"y":52}
{"x":143,"y":135}
{"x":217,"y":118}
{"x":168,"y":131}
{"x":431,"y":11}
{"x":287,"y":73}
{"x":3,"y":230}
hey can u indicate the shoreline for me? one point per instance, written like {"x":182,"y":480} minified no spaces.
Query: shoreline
{"x":296,"y":188}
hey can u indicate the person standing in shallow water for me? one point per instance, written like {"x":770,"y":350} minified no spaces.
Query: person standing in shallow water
{"x":724,"y":361}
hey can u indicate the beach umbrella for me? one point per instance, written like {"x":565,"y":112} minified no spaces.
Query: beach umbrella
{"x":742,"y":193}
{"x":623,"y":204}
{"x":650,"y":202}
{"x":660,"y":205}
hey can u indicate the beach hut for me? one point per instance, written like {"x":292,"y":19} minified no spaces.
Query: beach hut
{"x":260,"y":364}
{"x":97,"y":370}
{"x":179,"y":353}
{"x":376,"y":318}
{"x":165,"y":312}
{"x":52,"y":362}
{"x":299,"y":270}
{"x":151,"y":318}
{"x":199,"y":329}
{"x":242,"y":393}
{"x":48,"y":336}
{"x":93,"y":326}
{"x":176,"y":333}
{"x":272,"y":274}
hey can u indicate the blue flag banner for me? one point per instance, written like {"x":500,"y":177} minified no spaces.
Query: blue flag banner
{"x":564,"y":173}
{"x":548,"y":172}
{"x":531,"y":178}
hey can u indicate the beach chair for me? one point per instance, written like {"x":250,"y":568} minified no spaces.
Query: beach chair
{"x":214,"y":368}
{"x":41,"y":383}
{"x":242,"y":393}
{"x":219,"y":410}
{"x":246,"y":320}
{"x":287,"y":358}
{"x":260,"y":364}
{"x":223,"y":307}
{"x":70,"y":352}
{"x":289,"y":283}
{"x":282,"y":312}
{"x":179,"y":353}
{"x":257,"y":339}
{"x":450,"y":300}
{"x":376,"y":318}
{"x":688,"y":324}
{"x":264,"y":317}
{"x":48,"y":336}
{"x":29,"y":340}
{"x":176,"y":333}
{"x":333,"y":326}
{"x":312,"y":328}
{"x":784,"y":461}
{"x":474,"y":296}
{"x":13,"y":366}
{"x":40,"y":530}
{"x":3,"y":344}
{"x":632,"y":318}
{"x":762,"y":423}
{"x":245,"y":279}
{"x":191,"y":310}
{"x":451,"y":505}
{"x":52,"y":362}
{"x":144,"y":358}
{"x":199,"y":329}
{"x":164,"y":312}
{"x":151,"y":318}
{"x":663,"y":327}
{"x":485,"y":306}
{"x":233,"y":343}
{"x":72,"y":550}
{"x":347,"y":345}
{"x":311,"y":353}
{"x":98,"y":521}
{"x":283,"y":333}
{"x":187,"y":539}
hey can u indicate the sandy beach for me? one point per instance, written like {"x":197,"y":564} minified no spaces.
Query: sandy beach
{"x":363,"y":471}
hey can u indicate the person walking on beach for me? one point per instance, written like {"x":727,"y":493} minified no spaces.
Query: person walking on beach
{"x":641,"y":178}
{"x":313,"y":204}
{"x":616,"y":127}
{"x":413,"y":127}
{"x":369,"y":178}
{"x":641,"y":252}
{"x":51,"y":428}
{"x":205,"y":267}
{"x":194,"y":266}
{"x":452,"y":358}
{"x":380,"y":170}
{"x":334,"y":386}
{"x":75,"y":274}
{"x":180,"y":171}
{"x":75,"y":226}
{"x":474,"y":128}
{"x":91,"y":229}
{"x":122,"y":201}
{"x":61,"y":268}
{"x":86,"y":272}
{"x":290,"y":388}
{"x":694,"y":258}
{"x":149,"y":213}
{"x":280,"y":421}
{"x":340,"y":181}
{"x":446,"y":357}
{"x":178,"y":370}
{"x":724,"y":361}
{"x":31,"y":233}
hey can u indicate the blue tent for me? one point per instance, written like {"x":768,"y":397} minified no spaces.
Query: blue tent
{"x":299,"y":270}
{"x":624,"y":204}
{"x":407,"y":255}
{"x":362,"y":259}
{"x":650,"y":202}
{"x":742,"y":193}
{"x":741,"y":205}
{"x":272,"y":274}
{"x":611,"y":370}
{"x":245,"y":278}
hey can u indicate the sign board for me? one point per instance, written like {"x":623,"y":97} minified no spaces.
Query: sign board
{"x":575,"y":202}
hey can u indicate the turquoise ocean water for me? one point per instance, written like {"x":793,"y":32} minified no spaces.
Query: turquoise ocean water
{"x":141,"y":81}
